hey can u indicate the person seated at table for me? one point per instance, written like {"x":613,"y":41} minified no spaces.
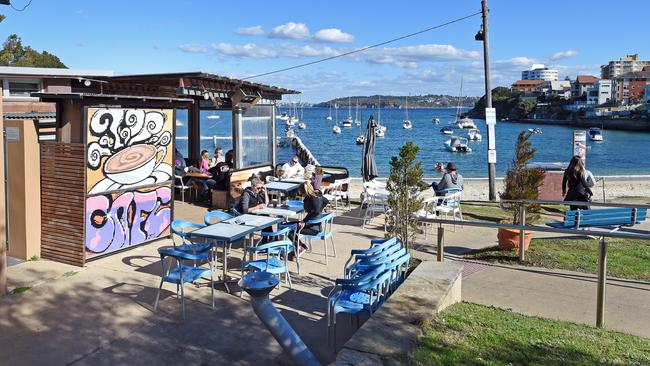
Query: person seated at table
{"x":218,"y":157}
{"x":293,"y":169}
{"x":451,"y":179}
{"x":315,"y":204}
{"x":205,"y":162}
{"x":221,"y":173}
{"x":253,"y":197}
{"x":316,"y":178}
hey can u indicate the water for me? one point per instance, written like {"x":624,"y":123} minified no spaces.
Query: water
{"x":622,"y":153}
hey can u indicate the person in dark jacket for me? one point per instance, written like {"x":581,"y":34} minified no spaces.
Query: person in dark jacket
{"x":315,"y":204}
{"x":253,"y":198}
{"x":574,"y":184}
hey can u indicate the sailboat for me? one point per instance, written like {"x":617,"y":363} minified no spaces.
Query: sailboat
{"x":329,"y":118}
{"x":381,"y":130}
{"x":348,"y":121}
{"x":464,"y":122}
{"x":336,"y":129}
{"x":302,"y":124}
{"x":357,"y":121}
{"x":293,"y":119}
{"x":361,"y":139}
{"x":407,"y":122}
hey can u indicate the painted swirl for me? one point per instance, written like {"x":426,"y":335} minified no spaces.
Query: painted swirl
{"x":130,"y":158}
{"x":95,"y":153}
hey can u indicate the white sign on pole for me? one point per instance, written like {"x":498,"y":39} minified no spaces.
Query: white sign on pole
{"x":12,"y":133}
{"x":580,"y":144}
{"x":491,"y":144}
{"x":492,"y":156}
{"x":490,"y":116}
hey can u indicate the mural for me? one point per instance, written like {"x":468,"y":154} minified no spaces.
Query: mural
{"x":128,"y":148}
{"x":118,"y":220}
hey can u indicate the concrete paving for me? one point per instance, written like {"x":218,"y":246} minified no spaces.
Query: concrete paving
{"x":103,"y":313}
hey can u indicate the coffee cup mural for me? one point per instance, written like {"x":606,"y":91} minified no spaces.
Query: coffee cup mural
{"x":128,"y":148}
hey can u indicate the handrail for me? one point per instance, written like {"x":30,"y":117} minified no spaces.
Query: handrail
{"x":582,"y":203}
{"x":615,"y":234}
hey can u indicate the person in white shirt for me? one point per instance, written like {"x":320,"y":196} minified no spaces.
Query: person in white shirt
{"x":293,"y":168}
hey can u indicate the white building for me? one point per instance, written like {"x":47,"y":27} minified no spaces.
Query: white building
{"x":629,"y":63}
{"x":539,"y":72}
{"x":560,"y":88}
{"x":600,"y":93}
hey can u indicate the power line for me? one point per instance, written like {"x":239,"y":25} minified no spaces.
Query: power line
{"x":364,"y":48}
{"x":24,"y":7}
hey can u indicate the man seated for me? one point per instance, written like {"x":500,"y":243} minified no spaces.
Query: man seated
{"x":253,"y":197}
{"x":450,"y":180}
{"x":293,"y":169}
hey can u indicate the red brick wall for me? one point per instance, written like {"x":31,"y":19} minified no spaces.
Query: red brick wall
{"x":551,"y":188}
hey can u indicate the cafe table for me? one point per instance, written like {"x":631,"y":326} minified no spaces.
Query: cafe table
{"x":284,"y":212}
{"x":282,"y":187}
{"x":224,"y":233}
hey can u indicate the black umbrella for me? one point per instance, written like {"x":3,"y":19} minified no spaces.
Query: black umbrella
{"x":368,"y":164}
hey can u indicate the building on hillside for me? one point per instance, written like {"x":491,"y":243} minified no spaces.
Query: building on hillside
{"x":629,"y":63}
{"x":630,"y":88}
{"x":539,"y":72}
{"x":582,"y":85}
{"x":528,"y":87}
{"x":601,"y":93}
{"x":557,"y":88}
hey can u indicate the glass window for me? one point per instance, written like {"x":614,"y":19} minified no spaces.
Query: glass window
{"x":181,"y":140}
{"x":257,"y":136}
{"x":216,"y":130}
{"x":23,"y":89}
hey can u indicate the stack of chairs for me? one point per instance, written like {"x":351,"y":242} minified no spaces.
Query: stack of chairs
{"x":370,"y":276}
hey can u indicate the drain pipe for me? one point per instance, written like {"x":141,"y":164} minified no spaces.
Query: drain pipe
{"x":258,"y":285}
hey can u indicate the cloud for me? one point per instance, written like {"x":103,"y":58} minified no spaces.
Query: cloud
{"x":250,"y":31}
{"x":81,"y":44}
{"x":333,"y":35}
{"x":563,"y":54}
{"x":290,"y":30}
{"x":79,"y":12}
{"x":252,"y":50}
{"x":411,"y":56}
{"x":194,"y":48}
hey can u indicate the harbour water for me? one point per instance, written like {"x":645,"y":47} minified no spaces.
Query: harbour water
{"x":622,"y":153}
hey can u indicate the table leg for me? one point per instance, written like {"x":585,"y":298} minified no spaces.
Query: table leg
{"x":225,"y":267}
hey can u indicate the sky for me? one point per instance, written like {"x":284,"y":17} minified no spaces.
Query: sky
{"x":241,"y":39}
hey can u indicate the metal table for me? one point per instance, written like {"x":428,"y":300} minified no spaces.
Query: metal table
{"x":284,"y":212}
{"x":257,"y":221}
{"x":282,"y":187}
{"x":225,"y":233}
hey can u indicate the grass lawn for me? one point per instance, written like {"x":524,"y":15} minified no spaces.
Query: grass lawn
{"x":626,"y":258}
{"x":470,"y":334}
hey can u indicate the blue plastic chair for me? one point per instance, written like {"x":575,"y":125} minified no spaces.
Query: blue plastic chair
{"x":281,"y":234}
{"x":357,"y":296}
{"x":275,"y":261}
{"x":216,"y":215}
{"x":376,"y":246}
{"x":181,"y":228}
{"x":325,"y":222}
{"x":362,"y":263}
{"x":182,"y":274}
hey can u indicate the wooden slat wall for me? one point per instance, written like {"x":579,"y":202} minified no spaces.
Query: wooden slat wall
{"x":62,"y":202}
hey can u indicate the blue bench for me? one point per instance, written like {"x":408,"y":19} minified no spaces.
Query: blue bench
{"x":608,"y":218}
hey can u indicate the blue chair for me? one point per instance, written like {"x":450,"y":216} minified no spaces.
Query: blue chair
{"x":296,"y":205}
{"x":361,"y":262}
{"x":275,"y":261}
{"x":181,"y":228}
{"x":182,"y":274}
{"x":325,"y":222}
{"x":376,"y":246}
{"x":357,"y":296}
{"x":216,"y":215}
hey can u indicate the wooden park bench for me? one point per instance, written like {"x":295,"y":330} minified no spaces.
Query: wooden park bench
{"x":609,"y":218}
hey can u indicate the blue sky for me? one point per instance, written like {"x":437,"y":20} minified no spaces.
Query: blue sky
{"x":260,"y":36}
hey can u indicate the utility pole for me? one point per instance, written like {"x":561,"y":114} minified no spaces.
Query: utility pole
{"x":483,"y":35}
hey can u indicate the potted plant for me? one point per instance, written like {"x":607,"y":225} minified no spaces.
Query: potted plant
{"x":403,"y":201}
{"x":521,"y":183}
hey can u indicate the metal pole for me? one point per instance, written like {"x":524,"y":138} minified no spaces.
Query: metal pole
{"x":522,"y":233}
{"x":488,"y":95}
{"x":3,"y":202}
{"x":441,"y":243}
{"x":602,"y":281}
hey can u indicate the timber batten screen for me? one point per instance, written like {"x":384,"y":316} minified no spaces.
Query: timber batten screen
{"x":62,"y":202}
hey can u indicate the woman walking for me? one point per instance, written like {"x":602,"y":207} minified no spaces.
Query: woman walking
{"x":574,"y":184}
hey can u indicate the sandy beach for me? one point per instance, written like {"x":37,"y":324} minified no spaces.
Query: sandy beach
{"x":616,"y":188}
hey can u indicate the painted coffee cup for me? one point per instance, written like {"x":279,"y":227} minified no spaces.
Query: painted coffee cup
{"x":134,"y":163}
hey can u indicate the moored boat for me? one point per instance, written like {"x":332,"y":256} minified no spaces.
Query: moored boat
{"x":447,"y":130}
{"x":595,"y":134}
{"x":474,"y":134}
{"x":457,"y":144}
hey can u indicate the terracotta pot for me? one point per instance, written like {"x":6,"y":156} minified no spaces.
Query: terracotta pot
{"x":509,"y":239}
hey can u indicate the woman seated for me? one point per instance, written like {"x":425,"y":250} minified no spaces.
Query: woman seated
{"x":315,"y":204}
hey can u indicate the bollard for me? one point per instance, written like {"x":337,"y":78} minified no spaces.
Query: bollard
{"x":441,"y":243}
{"x":602,"y":281}
{"x":522,"y":233}
{"x":258,"y":285}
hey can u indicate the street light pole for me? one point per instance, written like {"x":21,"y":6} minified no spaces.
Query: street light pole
{"x":488,"y":102}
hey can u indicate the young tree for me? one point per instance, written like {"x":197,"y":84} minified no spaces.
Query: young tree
{"x":522,"y":182}
{"x":403,"y":187}
{"x":13,"y":53}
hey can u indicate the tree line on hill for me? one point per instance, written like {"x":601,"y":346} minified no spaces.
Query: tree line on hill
{"x":399,"y":101}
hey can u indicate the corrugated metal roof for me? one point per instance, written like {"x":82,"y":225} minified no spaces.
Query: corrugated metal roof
{"x":108,"y":96}
{"x":29,"y":115}
{"x":47,"y":71}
